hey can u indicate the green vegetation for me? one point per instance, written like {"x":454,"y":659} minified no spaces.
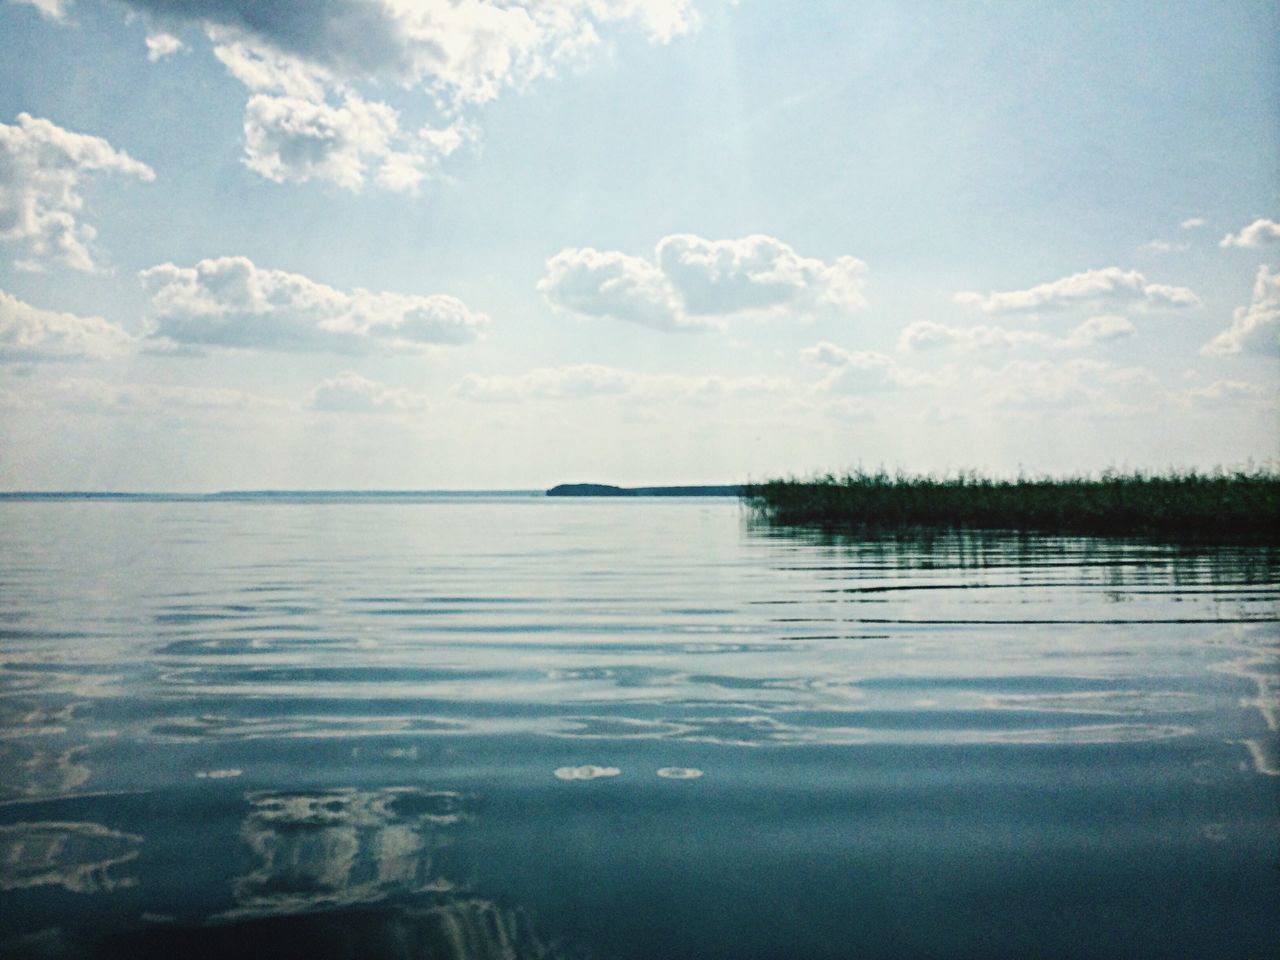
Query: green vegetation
{"x":1241,"y":504}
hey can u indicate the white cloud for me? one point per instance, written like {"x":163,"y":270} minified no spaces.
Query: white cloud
{"x":29,"y":334}
{"x":263,"y":70}
{"x":1224,"y":393}
{"x":593,"y":283}
{"x":589,"y":380}
{"x":468,"y":50}
{"x":41,"y":168}
{"x":53,"y":9}
{"x":351,"y":393}
{"x":1163,"y":295}
{"x":229,"y":302}
{"x":1260,"y":233}
{"x":288,"y":139}
{"x":862,"y":371}
{"x":1104,"y":329}
{"x":1192,"y":222}
{"x":1045,"y":386}
{"x":1166,"y":246}
{"x":925,"y":335}
{"x":1256,"y":328}
{"x":463,"y":53}
{"x":718,"y":277}
{"x":693,"y":283}
{"x":1109,"y":285}
{"x":161,"y":45}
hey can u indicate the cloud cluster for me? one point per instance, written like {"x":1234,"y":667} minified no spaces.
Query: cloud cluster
{"x":1256,"y":328}
{"x":862,"y":371}
{"x":29,"y":334}
{"x":588,"y":380}
{"x":1110,"y":285}
{"x":303,"y":61}
{"x":41,"y":169}
{"x":927,"y":335}
{"x":1260,"y":233}
{"x":230,"y":302}
{"x":351,"y":393}
{"x":693,"y":283}
{"x":466,"y":50}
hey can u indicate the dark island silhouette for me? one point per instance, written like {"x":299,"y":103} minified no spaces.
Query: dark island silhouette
{"x":608,"y":490}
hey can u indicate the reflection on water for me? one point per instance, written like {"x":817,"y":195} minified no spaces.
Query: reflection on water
{"x":79,"y":857}
{"x":525,"y":729}
{"x":338,"y":848}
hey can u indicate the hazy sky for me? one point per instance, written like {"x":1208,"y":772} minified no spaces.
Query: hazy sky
{"x":508,"y":243}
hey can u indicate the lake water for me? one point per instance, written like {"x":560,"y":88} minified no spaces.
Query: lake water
{"x":527,"y":727}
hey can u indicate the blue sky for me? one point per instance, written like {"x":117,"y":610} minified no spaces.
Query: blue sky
{"x":417,"y":243}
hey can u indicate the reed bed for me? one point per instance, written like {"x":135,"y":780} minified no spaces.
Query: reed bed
{"x":1237,"y":504}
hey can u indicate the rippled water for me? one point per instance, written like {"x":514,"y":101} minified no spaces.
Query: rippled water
{"x":625,"y":728}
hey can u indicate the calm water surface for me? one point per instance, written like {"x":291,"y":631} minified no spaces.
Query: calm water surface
{"x":625,"y":729}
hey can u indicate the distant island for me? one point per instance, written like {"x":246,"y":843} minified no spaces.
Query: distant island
{"x":608,"y":490}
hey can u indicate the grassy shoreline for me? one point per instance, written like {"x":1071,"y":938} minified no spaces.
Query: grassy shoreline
{"x":1240,"y":504}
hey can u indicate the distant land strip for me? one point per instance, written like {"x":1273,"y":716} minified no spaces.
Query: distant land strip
{"x":258,"y":495}
{"x":1201,"y":505}
{"x":608,"y":490}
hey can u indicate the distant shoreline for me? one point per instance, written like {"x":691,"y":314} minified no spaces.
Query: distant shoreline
{"x":608,"y":490}
{"x":259,"y":495}
{"x":1191,"y":504}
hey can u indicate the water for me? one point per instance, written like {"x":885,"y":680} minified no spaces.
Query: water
{"x":625,"y":729}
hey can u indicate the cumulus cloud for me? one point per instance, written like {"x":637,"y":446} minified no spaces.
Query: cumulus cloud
{"x":351,"y":393}
{"x":53,"y":9}
{"x":693,"y":283}
{"x":927,"y":335}
{"x":1260,"y":233}
{"x":41,"y":169}
{"x":593,"y":283}
{"x":287,"y":139}
{"x":1109,"y":285}
{"x":310,"y":58}
{"x":1255,"y":328}
{"x":861,"y":371}
{"x":29,"y":334}
{"x":469,"y":50}
{"x":161,"y":45}
{"x":1104,"y":329}
{"x":229,"y":302}
{"x":589,"y":380}
{"x":717,"y":277}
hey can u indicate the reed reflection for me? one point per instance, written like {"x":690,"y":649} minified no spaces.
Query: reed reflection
{"x":339,"y":848}
{"x":79,"y":857}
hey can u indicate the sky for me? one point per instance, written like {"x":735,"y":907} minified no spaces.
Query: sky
{"x":452,"y":244}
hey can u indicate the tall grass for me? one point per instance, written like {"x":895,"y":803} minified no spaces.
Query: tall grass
{"x":1243,"y":503}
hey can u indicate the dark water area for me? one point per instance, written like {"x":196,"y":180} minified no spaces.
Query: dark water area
{"x":625,"y":728}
